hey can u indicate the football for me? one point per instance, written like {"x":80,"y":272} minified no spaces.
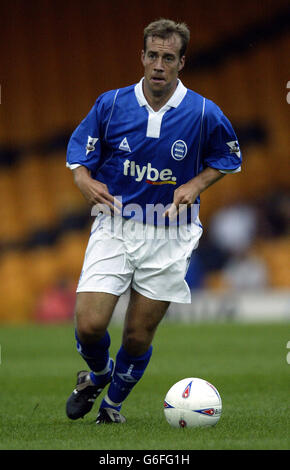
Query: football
{"x":192,"y":402}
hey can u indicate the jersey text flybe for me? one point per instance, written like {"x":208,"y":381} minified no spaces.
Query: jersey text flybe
{"x":151,"y":174}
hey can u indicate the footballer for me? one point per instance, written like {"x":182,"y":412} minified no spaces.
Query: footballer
{"x":143,"y":154}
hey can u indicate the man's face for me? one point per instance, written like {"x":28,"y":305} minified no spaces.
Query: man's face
{"x":162,"y":63}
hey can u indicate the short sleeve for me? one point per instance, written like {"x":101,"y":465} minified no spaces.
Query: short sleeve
{"x":221,"y":146}
{"x":84,"y":147}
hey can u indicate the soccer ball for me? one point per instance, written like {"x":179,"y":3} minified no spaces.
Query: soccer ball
{"x":192,"y":403}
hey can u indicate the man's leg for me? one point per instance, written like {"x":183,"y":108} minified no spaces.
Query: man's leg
{"x":142,"y":318}
{"x":92,"y":315}
{"x":93,"y":312}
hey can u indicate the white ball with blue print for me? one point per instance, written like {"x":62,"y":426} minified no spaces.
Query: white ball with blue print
{"x":192,"y":402}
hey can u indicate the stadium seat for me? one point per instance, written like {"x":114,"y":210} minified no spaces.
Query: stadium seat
{"x":15,"y":289}
{"x":66,"y":196}
{"x":44,"y":268}
{"x":275,"y":253}
{"x":11,"y":215}
{"x":34,"y":192}
{"x":71,"y":248}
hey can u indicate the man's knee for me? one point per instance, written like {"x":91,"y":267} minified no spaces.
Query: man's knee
{"x":89,"y":329}
{"x":92,"y":315}
{"x":137,"y":342}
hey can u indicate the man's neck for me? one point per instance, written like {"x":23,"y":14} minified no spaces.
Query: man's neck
{"x":159,"y":100}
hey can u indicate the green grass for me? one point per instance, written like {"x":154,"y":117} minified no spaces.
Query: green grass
{"x":247,"y":363}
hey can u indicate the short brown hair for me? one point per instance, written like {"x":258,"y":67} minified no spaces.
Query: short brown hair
{"x":164,"y":28}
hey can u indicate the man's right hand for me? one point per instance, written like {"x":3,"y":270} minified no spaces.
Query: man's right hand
{"x":95,"y":192}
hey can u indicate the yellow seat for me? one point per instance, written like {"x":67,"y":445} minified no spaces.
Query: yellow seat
{"x":275,"y":253}
{"x":44,"y":268}
{"x":67,"y":197}
{"x":17,"y":296}
{"x":71,"y":248}
{"x":34,"y":191}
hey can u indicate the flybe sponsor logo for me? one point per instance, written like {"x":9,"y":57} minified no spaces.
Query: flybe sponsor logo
{"x":149,"y":173}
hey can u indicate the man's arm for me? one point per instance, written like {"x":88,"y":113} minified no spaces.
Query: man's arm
{"x":93,"y":191}
{"x":187,"y":193}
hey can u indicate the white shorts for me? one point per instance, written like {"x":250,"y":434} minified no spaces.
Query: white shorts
{"x":152,"y":260}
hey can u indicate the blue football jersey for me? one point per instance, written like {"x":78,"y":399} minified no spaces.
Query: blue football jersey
{"x":143,"y":155}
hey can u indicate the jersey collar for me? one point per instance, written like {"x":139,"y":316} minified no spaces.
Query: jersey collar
{"x":173,"y":102}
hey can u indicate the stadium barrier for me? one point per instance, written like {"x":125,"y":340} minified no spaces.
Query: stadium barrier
{"x":266,"y":306}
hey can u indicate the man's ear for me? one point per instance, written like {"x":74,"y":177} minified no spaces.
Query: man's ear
{"x":181,"y":63}
{"x":142,"y":57}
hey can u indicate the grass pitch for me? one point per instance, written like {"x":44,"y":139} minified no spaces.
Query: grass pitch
{"x":247,"y":364}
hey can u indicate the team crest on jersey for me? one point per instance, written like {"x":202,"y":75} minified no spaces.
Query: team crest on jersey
{"x":179,"y":150}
